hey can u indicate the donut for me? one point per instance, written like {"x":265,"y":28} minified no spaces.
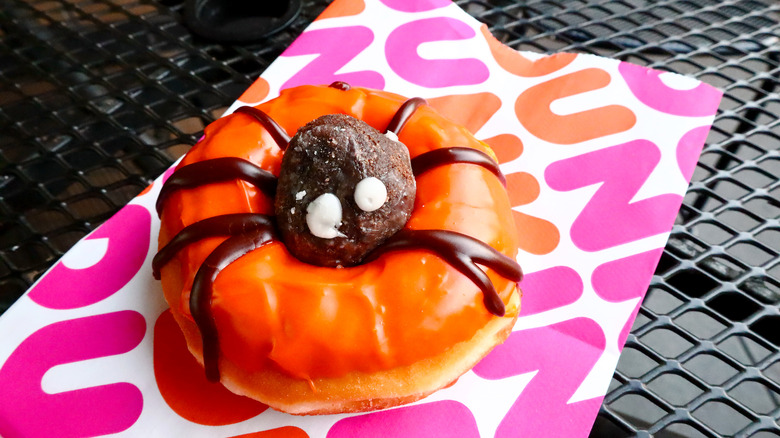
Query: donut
{"x":408,"y":316}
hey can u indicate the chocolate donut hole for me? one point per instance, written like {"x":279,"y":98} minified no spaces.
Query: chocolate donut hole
{"x":343,"y":189}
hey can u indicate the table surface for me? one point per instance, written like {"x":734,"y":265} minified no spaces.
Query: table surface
{"x":98,"y":97}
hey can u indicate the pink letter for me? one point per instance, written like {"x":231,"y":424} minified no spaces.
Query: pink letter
{"x":610,"y":218}
{"x":624,"y":279}
{"x":336,"y":47}
{"x":128,"y":243}
{"x":27,"y":411}
{"x":563,"y":354}
{"x":549,"y":289}
{"x":648,"y":87}
{"x":689,"y":148}
{"x":445,"y":418}
{"x":415,"y":5}
{"x":401,"y":52}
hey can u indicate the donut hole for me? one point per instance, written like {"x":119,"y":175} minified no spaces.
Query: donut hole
{"x":344,"y":188}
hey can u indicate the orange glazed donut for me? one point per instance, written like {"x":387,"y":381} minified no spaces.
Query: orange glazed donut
{"x":413,"y":316}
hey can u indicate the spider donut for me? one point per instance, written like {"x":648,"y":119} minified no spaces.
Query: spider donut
{"x":366,"y":262}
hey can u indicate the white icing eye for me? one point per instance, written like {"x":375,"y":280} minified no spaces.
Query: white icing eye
{"x":370,"y":194}
{"x":323,"y":216}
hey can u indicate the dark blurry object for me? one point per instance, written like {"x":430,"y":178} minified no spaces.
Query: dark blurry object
{"x":235,"y":21}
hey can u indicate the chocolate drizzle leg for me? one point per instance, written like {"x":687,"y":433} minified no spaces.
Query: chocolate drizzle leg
{"x":440,"y":157}
{"x":340,"y":85}
{"x":463,"y":253}
{"x":225,"y":225}
{"x":404,"y":113}
{"x":277,"y":132}
{"x":202,"y":287}
{"x":216,"y":170}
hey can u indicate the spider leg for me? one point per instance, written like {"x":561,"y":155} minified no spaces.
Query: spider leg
{"x":202,"y":286}
{"x":224,"y":225}
{"x":463,"y":253}
{"x":217,"y":170}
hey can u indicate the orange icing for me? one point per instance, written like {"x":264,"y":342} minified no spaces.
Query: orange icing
{"x":272,"y":310}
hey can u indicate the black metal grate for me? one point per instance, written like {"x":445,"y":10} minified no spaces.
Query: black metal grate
{"x":98,"y":97}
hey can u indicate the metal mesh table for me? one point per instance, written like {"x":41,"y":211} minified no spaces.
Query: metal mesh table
{"x":98,"y":97}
